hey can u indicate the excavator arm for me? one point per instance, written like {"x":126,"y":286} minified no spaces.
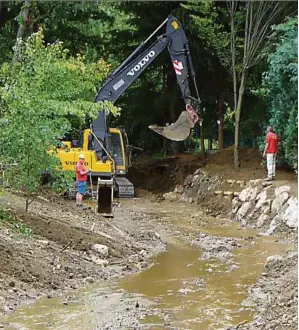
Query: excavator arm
{"x":119,"y":80}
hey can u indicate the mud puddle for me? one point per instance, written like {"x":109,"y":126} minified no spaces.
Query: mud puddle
{"x":191,"y":285}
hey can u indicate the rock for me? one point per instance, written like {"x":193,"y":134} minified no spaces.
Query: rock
{"x":218,"y":192}
{"x":195,"y":178}
{"x":179,"y":189}
{"x":12,"y":284}
{"x":266,"y":207}
{"x":240,"y":182}
{"x":100,"y":262}
{"x":89,"y":279}
{"x":244,"y":210}
{"x":186,"y":199}
{"x":273,"y":258}
{"x":261,"y":220}
{"x":228,"y":193}
{"x":197,"y":171}
{"x":282,"y":189}
{"x":170,"y":196}
{"x":101,"y":249}
{"x":231,"y":181}
{"x":235,"y":205}
{"x":188,"y":180}
{"x":261,"y":198}
{"x":236,"y":193}
{"x":290,"y":215}
{"x":43,"y":242}
{"x":278,"y":202}
{"x":248,"y":194}
{"x":272,"y":227}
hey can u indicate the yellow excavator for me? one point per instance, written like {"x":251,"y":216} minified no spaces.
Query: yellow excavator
{"x":106,"y":149}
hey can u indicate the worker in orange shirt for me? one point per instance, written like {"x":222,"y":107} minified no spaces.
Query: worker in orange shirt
{"x":271,"y":149}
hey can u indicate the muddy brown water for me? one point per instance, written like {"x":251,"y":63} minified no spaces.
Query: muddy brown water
{"x":179,"y":291}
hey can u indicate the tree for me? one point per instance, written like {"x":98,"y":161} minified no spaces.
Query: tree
{"x":259,"y":17}
{"x":281,"y":89}
{"x":39,"y":94}
{"x":237,"y":33}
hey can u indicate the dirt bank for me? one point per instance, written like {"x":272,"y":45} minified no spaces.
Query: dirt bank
{"x":55,"y":250}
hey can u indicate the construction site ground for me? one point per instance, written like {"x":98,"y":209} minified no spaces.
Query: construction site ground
{"x":51,"y":251}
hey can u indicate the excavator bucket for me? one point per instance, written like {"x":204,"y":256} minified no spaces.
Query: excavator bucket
{"x":181,"y":129}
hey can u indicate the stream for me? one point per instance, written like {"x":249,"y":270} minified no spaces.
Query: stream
{"x":181,"y":290}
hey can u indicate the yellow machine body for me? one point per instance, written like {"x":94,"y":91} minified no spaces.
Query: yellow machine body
{"x":115,"y":163}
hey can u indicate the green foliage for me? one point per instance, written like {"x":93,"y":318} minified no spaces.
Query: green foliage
{"x":62,"y":181}
{"x":38,"y":94}
{"x":211,"y":21}
{"x":281,"y":88}
{"x":16,"y":225}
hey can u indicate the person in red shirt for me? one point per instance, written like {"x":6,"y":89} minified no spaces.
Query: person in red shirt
{"x":270,"y":151}
{"x":81,"y":178}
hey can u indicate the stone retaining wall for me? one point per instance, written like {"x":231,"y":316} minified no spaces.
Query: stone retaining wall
{"x":267,"y":206}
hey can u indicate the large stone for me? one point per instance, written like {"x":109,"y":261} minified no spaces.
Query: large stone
{"x":290,"y":215}
{"x":248,"y":194}
{"x":262,"y":198}
{"x":179,"y":189}
{"x":188,"y":180}
{"x":262,"y":220}
{"x":244,"y":210}
{"x":266,"y":207}
{"x":170,"y":196}
{"x":278,"y":202}
{"x":272,"y":227}
{"x":101,"y":249}
{"x":197,"y":171}
{"x":235,"y":205}
{"x":195,"y":178}
{"x":282,"y":189}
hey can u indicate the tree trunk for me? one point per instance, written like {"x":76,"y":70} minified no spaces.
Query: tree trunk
{"x":27,"y":204}
{"x":24,"y":24}
{"x":202,"y":135}
{"x":237,"y":162}
{"x":220,"y":118}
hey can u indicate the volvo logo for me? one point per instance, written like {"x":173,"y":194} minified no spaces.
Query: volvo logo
{"x":74,"y":163}
{"x":141,"y":63}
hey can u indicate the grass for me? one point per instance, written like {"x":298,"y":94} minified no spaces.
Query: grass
{"x":7,"y":218}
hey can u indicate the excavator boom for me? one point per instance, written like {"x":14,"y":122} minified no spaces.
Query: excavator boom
{"x":119,"y":81}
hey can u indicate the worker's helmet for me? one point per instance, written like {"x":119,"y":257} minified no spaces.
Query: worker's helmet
{"x":81,"y":156}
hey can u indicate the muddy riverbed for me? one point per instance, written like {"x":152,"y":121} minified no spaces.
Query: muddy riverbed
{"x":168,"y":266}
